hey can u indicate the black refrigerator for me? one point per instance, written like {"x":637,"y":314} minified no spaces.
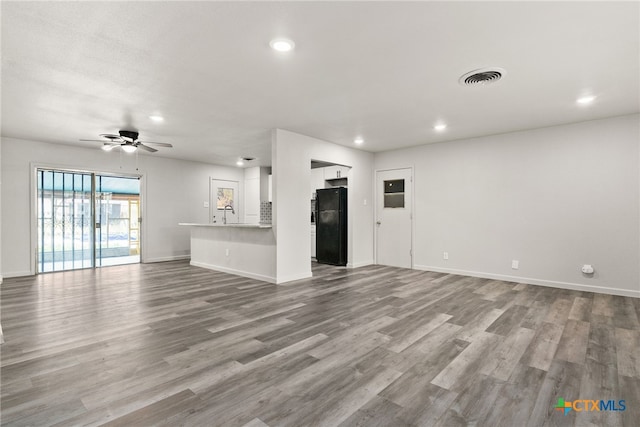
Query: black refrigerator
{"x":331,"y":226}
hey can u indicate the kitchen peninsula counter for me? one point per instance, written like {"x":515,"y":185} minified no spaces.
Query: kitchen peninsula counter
{"x":239,"y":225}
{"x":247,"y":250}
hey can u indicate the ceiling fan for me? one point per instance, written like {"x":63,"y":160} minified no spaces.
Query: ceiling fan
{"x":127,"y":140}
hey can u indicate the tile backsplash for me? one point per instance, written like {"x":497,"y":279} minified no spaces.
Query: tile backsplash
{"x":265,"y":212}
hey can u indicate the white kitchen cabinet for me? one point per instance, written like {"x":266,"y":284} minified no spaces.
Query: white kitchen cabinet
{"x":335,"y":172}
{"x":313,"y":241}
{"x":251,"y":199}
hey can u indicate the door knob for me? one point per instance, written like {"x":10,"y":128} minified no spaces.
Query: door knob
{"x":378,"y":222}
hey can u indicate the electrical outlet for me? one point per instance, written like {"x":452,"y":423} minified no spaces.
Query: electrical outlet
{"x":365,"y":202}
{"x":445,"y":255}
{"x":515,"y":264}
{"x":226,"y":252}
{"x":587,"y":269}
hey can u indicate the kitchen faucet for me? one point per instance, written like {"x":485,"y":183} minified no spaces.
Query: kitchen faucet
{"x":224,"y":213}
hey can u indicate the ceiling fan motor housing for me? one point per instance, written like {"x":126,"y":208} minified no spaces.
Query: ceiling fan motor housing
{"x":129,"y":134}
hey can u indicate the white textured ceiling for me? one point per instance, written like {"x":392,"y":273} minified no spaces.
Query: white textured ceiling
{"x":387,"y":71}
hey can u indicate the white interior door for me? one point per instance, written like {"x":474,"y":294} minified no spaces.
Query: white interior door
{"x":393,"y":217}
{"x":224,"y":201}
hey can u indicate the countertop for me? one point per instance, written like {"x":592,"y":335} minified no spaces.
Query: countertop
{"x":263,"y":226}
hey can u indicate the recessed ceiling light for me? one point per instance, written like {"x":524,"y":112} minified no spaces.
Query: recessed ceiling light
{"x":358,"y":140}
{"x":586,"y":100}
{"x":440,"y":127}
{"x":282,"y":45}
{"x":157,"y":119}
{"x":240,"y":163}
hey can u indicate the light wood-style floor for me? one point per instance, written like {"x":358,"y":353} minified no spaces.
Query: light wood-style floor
{"x":171,"y":344}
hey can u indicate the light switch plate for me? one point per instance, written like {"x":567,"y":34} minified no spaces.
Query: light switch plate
{"x":206,"y":204}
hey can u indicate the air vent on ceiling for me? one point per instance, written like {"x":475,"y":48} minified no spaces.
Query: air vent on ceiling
{"x":482,"y":76}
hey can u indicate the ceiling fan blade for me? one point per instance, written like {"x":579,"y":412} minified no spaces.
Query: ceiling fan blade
{"x":102,"y":141}
{"x":111,"y":137}
{"x":159,"y":144}
{"x":144,"y":147}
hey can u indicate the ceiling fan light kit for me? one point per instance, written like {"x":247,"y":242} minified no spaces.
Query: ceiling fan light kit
{"x":128,"y":141}
{"x":128,"y":148}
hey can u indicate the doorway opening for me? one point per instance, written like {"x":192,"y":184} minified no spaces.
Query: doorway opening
{"x":329,"y":213}
{"x":86,"y":220}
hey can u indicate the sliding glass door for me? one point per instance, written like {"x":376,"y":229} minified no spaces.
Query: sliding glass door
{"x":117,"y":220}
{"x":86,"y":220}
{"x":65,"y":227}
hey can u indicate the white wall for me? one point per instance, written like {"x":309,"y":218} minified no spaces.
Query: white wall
{"x":291,"y":165}
{"x":553,"y":198}
{"x":1,"y":276}
{"x":248,"y":252}
{"x":173,"y":191}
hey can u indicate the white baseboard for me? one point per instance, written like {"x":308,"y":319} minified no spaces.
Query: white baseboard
{"x":360,"y":264}
{"x":293,"y":277}
{"x":530,"y":281}
{"x":166,"y":258}
{"x":233,"y":271}
{"x":17,"y":274}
